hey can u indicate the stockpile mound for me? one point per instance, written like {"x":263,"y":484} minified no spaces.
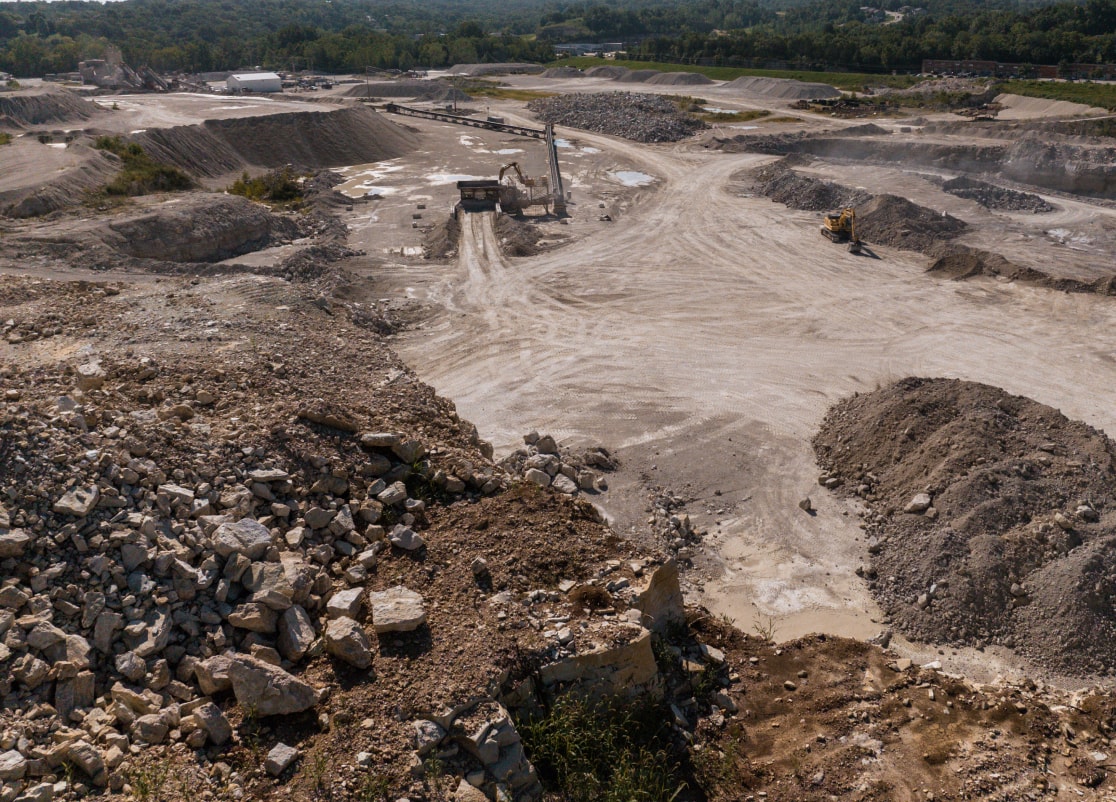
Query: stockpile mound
{"x":509,"y":68}
{"x":199,"y":228}
{"x":891,"y":220}
{"x":991,"y":517}
{"x":997,"y":198}
{"x":608,"y":72}
{"x":43,"y":106}
{"x":637,"y":76}
{"x":679,"y":79}
{"x":782,"y":184}
{"x":350,"y":135}
{"x":436,"y":91}
{"x":563,"y":72}
{"x":639,"y":117}
{"x":781,"y":88}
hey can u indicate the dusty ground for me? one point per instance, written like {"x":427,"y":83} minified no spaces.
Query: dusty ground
{"x":701,"y":336}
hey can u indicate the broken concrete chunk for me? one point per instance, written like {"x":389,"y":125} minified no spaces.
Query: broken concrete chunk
{"x":14,"y":543}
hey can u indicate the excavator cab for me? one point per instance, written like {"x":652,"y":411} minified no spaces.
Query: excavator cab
{"x":841,"y":227}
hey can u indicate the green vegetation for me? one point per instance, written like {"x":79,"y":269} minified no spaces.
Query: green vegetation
{"x":140,"y":174}
{"x":1102,"y":95}
{"x":836,"y":41}
{"x":849,"y":81}
{"x":591,"y":752}
{"x":276,"y":187}
{"x":733,"y":116}
{"x":503,"y":92}
{"x":5,"y":138}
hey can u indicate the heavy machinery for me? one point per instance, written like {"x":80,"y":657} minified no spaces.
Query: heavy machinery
{"x":841,"y":227}
{"x":535,"y":192}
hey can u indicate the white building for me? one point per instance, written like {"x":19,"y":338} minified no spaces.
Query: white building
{"x":254,"y":82}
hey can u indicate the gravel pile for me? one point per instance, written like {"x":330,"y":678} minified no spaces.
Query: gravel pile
{"x":996,"y":198}
{"x":891,"y":220}
{"x":990,"y":517}
{"x":634,"y":116}
{"x":783,"y":185}
{"x":679,"y":79}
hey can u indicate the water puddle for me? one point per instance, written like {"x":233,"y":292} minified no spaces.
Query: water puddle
{"x":630,"y":178}
{"x":507,"y":151}
{"x":450,"y":178}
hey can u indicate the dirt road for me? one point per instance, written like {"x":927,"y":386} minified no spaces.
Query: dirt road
{"x":703,"y":337}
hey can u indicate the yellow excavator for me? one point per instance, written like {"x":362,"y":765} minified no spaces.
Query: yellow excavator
{"x":841,"y":227}
{"x":523,"y":179}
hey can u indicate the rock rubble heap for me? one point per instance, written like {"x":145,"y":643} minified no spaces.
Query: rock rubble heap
{"x":632,"y":115}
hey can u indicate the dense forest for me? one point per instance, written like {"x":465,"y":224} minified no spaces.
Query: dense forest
{"x":350,"y":35}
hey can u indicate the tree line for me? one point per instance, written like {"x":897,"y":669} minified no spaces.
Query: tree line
{"x":350,"y":35}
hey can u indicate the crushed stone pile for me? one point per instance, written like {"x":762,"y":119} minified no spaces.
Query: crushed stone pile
{"x":305,"y":140}
{"x":997,"y":198}
{"x":891,"y":220}
{"x":781,"y":88}
{"x":637,"y":76}
{"x":782,"y":184}
{"x":991,"y":518}
{"x":507,"y":68}
{"x":634,"y":116}
{"x":44,"y":106}
{"x":543,"y":462}
{"x":433,"y":91}
{"x":563,"y":72}
{"x":608,"y":72}
{"x":679,"y":79}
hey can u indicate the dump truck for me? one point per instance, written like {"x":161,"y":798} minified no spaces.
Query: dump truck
{"x":841,"y":227}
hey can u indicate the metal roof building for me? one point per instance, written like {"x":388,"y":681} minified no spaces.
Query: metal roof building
{"x":254,"y":82}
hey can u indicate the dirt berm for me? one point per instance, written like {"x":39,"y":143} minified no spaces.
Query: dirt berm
{"x":991,"y":518}
{"x":215,"y":148}
{"x":43,"y":106}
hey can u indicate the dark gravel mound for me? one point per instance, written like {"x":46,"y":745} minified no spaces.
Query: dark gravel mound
{"x":638,"y":76}
{"x":996,"y":198}
{"x":639,"y":117}
{"x":563,"y":72}
{"x":609,"y":72}
{"x":679,"y":79}
{"x":783,"y":185}
{"x":891,"y":220}
{"x":1018,"y":544}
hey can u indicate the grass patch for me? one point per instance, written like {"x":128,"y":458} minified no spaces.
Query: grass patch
{"x":503,"y":92}
{"x":849,"y":81}
{"x":1102,"y":95}
{"x":593,"y":752}
{"x":783,"y":119}
{"x":5,"y":138}
{"x":278,"y":187}
{"x":140,"y":174}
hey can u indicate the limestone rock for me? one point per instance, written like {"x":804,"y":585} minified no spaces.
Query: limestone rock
{"x":279,"y":759}
{"x":920,"y":503}
{"x":406,"y":538}
{"x":345,"y":603}
{"x":296,"y":633}
{"x":214,"y":723}
{"x":268,"y":690}
{"x":564,"y":484}
{"x":247,"y":536}
{"x":79,"y":502}
{"x":14,"y":543}
{"x":13,"y":765}
{"x":660,"y":602}
{"x":397,"y":610}
{"x":346,"y":640}
{"x":535,"y":476}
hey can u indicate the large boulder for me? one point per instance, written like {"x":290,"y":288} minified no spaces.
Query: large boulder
{"x":268,"y":690}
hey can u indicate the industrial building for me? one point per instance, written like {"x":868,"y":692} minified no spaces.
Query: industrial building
{"x":254,"y":82}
